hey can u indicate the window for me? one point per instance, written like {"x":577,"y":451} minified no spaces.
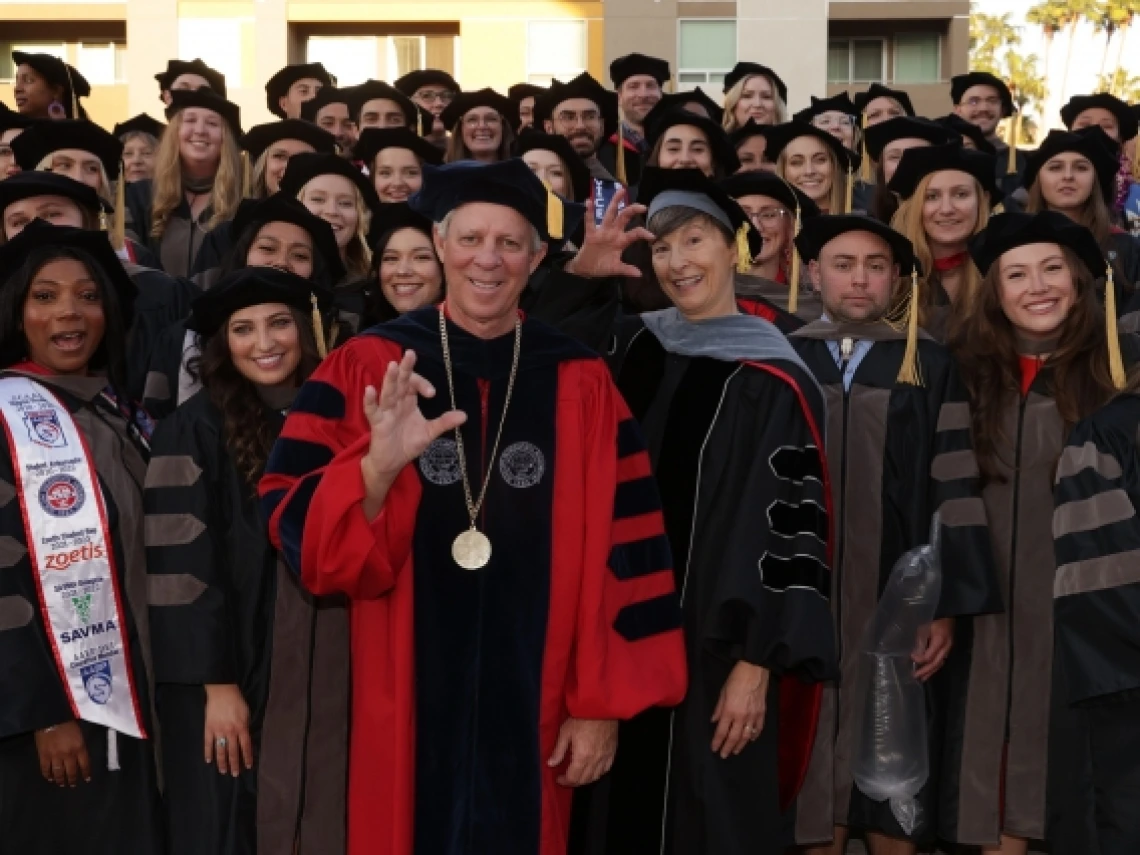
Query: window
{"x":917,"y":58}
{"x":854,"y":60}
{"x":350,"y":59}
{"x":101,"y":64}
{"x":405,"y":53}
{"x":706,"y":52}
{"x":555,"y":49}
{"x":217,"y":42}
{"x":8,"y":67}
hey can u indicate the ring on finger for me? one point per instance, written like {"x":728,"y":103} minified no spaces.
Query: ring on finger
{"x":222,"y":742}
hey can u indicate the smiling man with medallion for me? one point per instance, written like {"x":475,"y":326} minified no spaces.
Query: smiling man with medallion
{"x":473,"y":481}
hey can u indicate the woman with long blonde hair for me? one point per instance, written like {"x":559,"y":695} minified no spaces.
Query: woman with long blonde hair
{"x":756,"y":92}
{"x":814,"y":162}
{"x":1075,"y":173}
{"x":946,"y":193}
{"x":197,"y":179}
{"x":334,"y":190}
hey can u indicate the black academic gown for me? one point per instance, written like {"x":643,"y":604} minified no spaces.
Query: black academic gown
{"x":732,"y":445}
{"x":999,"y":676}
{"x":117,"y":812}
{"x":162,"y":301}
{"x":223,"y":610}
{"x":178,"y":247}
{"x":1094,"y":761}
{"x":897,"y":454}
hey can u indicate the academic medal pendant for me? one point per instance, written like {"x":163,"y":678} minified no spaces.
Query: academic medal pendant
{"x":471,"y":550}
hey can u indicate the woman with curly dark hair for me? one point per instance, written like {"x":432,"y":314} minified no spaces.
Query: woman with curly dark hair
{"x":239,"y":650}
{"x":1037,"y":354}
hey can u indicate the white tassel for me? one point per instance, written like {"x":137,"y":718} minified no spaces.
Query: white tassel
{"x":112,"y":750}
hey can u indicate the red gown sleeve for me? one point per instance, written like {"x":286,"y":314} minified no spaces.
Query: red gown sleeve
{"x":629,"y":653}
{"x":313,"y":490}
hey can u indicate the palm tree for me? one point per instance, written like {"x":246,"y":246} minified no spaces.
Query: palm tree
{"x":1048,"y":16}
{"x":1027,"y":87}
{"x":1105,"y":19}
{"x":1127,"y":10}
{"x":1073,"y":12}
{"x":988,"y":35}
{"x":1121,"y":84}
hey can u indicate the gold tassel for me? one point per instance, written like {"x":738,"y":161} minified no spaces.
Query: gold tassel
{"x":619,"y":157}
{"x":119,"y":224}
{"x":1115,"y":360}
{"x":319,"y":328}
{"x":743,"y":250}
{"x":797,"y":264}
{"x":849,"y":190}
{"x":1136,"y":160}
{"x":419,"y":123}
{"x":910,"y":371}
{"x":246,"y":176}
{"x":865,"y":168}
{"x":555,"y":225}
{"x":1014,"y":133}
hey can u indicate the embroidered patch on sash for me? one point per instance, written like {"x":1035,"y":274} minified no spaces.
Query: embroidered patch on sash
{"x":61,"y":496}
{"x":44,"y":428}
{"x":522,"y":465}
{"x":440,"y":462}
{"x":97,"y":681}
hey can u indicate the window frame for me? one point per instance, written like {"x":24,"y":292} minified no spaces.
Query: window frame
{"x":688,"y":85}
{"x":938,"y":48}
{"x":849,"y":40}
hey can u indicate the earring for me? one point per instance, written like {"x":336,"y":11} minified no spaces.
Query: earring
{"x":56,"y":110}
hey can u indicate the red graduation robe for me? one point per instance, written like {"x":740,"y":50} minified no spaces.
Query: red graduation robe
{"x":462,"y":680}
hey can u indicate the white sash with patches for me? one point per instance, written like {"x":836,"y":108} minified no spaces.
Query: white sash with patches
{"x":69,"y":546}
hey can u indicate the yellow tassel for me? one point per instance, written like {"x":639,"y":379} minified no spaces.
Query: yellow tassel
{"x":619,"y":157}
{"x":910,"y":372}
{"x":246,"y":176}
{"x":555,"y":225}
{"x":743,"y":250}
{"x":319,"y":328}
{"x":797,"y":264}
{"x":1136,"y":160}
{"x":1014,"y":133}
{"x":419,"y":123}
{"x":849,"y":190}
{"x":119,"y":227}
{"x":1115,"y":360}
{"x":865,"y":168}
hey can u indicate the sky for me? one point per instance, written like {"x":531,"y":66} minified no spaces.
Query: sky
{"x":1087,"y":52}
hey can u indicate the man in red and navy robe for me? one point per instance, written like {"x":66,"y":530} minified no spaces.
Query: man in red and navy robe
{"x":479,"y":697}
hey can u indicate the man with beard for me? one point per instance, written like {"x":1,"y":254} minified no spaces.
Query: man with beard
{"x":433,"y":90}
{"x":984,"y":100}
{"x":584,"y":112}
{"x":638,"y":80}
{"x":330,"y":111}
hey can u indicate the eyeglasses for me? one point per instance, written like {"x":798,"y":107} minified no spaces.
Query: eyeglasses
{"x":828,"y":123}
{"x":491,"y":121}
{"x":445,"y":96}
{"x":768,"y":218}
{"x":567,"y":117}
{"x":977,"y":101}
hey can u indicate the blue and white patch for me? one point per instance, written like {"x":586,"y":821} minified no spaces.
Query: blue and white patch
{"x":44,"y":428}
{"x":62,"y":496}
{"x":440,"y":463}
{"x":97,"y":681}
{"x":522,"y":464}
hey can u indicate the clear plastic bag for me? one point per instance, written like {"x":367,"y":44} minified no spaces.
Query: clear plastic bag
{"x":890,"y":760}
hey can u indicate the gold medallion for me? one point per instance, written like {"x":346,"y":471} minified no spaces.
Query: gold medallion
{"x":471,"y":550}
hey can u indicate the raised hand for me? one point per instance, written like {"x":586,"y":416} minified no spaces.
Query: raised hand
{"x":400,"y":433}
{"x":601,"y":251}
